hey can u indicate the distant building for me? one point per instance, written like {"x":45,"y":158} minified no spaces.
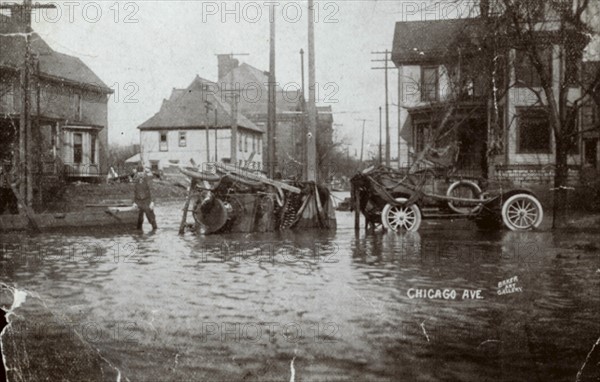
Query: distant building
{"x":291,"y":128}
{"x":177,"y":133}
{"x":69,"y":117}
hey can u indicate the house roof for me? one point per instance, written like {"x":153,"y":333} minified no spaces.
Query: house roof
{"x":186,"y":108}
{"x":54,"y":65}
{"x":421,"y":41}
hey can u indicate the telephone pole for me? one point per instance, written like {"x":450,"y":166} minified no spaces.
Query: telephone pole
{"x":272,"y":105}
{"x":216,"y":138}
{"x":386,"y":67}
{"x":25,"y":166}
{"x":380,"y":159}
{"x":302,"y":72}
{"x":207,"y":106}
{"x":311,"y":137}
{"x":233,"y":95}
{"x":362,"y":139}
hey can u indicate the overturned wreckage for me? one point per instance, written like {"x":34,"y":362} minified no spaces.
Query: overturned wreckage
{"x":231,"y":199}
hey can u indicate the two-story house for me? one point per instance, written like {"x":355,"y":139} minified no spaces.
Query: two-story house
{"x":195,"y":123}
{"x":437,"y":86}
{"x":68,"y":106}
{"x":490,"y":100}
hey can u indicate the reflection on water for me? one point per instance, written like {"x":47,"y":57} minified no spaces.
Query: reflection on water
{"x":344,"y":306}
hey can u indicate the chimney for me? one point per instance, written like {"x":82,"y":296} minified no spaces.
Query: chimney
{"x":226,"y":64}
{"x":19,"y":20}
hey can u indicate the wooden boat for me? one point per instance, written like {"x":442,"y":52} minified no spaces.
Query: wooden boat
{"x":99,"y":216}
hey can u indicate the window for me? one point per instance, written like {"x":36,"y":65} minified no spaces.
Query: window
{"x":154,"y":166}
{"x":421,"y":133}
{"x":589,"y":115}
{"x":259,"y":144}
{"x":527,"y":74}
{"x":182,"y":139}
{"x":93,"y":148}
{"x":240,"y":142}
{"x":78,"y":113}
{"x":245,"y":143}
{"x":77,"y":147}
{"x":253,"y":143}
{"x":429,"y":83}
{"x":533,"y":135}
{"x":163,"y":143}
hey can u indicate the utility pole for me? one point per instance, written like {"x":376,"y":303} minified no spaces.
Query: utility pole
{"x":272,"y":105}
{"x":216,"y":139}
{"x":303,"y":127}
{"x":386,"y":59}
{"x":380,"y":159}
{"x":311,"y":138}
{"x":232,"y":94}
{"x":302,"y":72}
{"x":362,"y":139}
{"x":25,"y":167}
{"x":207,"y":105}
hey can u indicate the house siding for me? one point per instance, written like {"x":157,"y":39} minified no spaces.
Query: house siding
{"x":59,"y":106}
{"x":196,"y":146}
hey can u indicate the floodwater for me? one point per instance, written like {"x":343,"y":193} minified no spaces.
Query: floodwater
{"x":304,"y":306}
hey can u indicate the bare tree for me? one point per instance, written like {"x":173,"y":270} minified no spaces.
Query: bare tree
{"x":533,"y":27}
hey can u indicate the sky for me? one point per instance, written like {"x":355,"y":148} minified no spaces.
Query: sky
{"x":143,"y":49}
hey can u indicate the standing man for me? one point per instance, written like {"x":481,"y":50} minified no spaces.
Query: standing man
{"x":143,"y":198}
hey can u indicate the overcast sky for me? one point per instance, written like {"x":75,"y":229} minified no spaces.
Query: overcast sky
{"x":143,"y":49}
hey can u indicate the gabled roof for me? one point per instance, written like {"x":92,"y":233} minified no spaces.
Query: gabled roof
{"x":423,"y":41}
{"x":186,"y":108}
{"x":53,"y":65}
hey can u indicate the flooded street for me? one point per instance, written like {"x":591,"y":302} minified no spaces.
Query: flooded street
{"x":308,"y":306}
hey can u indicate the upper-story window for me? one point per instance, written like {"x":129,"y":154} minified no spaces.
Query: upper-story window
{"x":78,"y":107}
{"x":246,"y":143}
{"x":93,"y":143}
{"x":163,"y":143}
{"x":527,"y":73}
{"x":429,"y":83}
{"x":77,"y":148}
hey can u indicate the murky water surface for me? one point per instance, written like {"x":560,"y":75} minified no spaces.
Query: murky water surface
{"x":317,"y":306}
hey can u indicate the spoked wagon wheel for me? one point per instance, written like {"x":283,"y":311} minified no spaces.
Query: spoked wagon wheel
{"x":522,"y":212}
{"x":464,"y":189}
{"x":401,"y":218}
